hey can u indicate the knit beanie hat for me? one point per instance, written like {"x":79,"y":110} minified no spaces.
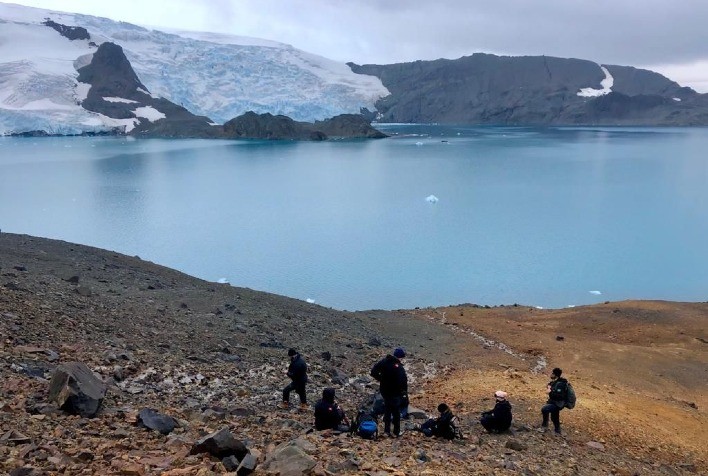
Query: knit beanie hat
{"x":442,"y":408}
{"x":292,"y":352}
{"x":499,"y":395}
{"x":399,"y":353}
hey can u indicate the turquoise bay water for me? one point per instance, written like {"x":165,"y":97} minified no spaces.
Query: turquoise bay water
{"x":547,"y":217}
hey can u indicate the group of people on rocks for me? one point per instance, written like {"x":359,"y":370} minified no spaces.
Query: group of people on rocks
{"x":393,"y":384}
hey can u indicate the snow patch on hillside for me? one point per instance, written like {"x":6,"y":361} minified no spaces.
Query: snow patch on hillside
{"x":122,"y":100}
{"x":605,"y":83}
{"x":149,"y":113}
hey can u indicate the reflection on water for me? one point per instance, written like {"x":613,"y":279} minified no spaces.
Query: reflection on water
{"x":539,"y":216}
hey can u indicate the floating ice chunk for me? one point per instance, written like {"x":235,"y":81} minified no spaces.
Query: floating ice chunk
{"x":677,"y":99}
{"x":595,"y":292}
{"x":605,"y":83}
{"x":222,"y":281}
{"x":419,"y":143}
{"x":570,"y":305}
{"x":310,"y":300}
{"x":538,"y":307}
{"x":431,"y":199}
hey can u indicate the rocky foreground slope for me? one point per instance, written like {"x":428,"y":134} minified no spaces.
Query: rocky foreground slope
{"x":213,"y":356}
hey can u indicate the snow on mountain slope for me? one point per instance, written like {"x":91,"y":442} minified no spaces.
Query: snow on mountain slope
{"x":219,"y":76}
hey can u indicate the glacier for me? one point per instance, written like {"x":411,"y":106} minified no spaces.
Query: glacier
{"x":216,"y":75}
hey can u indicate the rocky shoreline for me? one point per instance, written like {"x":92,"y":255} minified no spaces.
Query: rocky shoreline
{"x":212,"y":357}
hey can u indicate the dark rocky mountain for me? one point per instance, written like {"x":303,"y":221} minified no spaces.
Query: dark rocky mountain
{"x":111,"y":76}
{"x":490,"y":89}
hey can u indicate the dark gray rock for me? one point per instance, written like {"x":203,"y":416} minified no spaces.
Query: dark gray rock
{"x":76,"y":390}
{"x":230,"y":463}
{"x":70,"y":32}
{"x":153,"y":420}
{"x":247,"y":466}
{"x":220,"y":444}
{"x":515,"y":445}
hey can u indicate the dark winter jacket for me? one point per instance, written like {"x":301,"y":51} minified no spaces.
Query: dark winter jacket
{"x":392,"y":376}
{"x":558,"y":392}
{"x":328,"y":415}
{"x":502,"y":415}
{"x":445,"y":425}
{"x":297,"y":370}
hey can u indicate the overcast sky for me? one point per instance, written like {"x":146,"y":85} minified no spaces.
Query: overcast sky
{"x":669,"y":36}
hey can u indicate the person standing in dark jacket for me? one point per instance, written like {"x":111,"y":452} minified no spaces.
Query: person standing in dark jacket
{"x":328,"y":414}
{"x":557,"y":393}
{"x":394,"y":388}
{"x":498,"y":420}
{"x":297,"y":371}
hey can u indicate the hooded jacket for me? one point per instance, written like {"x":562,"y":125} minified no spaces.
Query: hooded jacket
{"x":392,"y":376}
{"x":297,"y":370}
{"x":328,"y":415}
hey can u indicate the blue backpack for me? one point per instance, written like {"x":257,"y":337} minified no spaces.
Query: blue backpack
{"x":368,"y":429}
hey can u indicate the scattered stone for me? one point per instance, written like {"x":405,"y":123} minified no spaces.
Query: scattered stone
{"x":76,"y":389}
{"x":15,"y":437}
{"x":153,"y":420}
{"x":560,"y":338}
{"x":220,"y":444}
{"x":230,"y":463}
{"x":84,"y":291}
{"x":73,"y":280}
{"x":289,"y":459}
{"x":596,"y":445}
{"x":515,"y":445}
{"x":248,"y":465}
{"x":326,"y":356}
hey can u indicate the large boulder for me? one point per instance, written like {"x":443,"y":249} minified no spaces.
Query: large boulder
{"x":289,"y":459}
{"x":220,"y":444}
{"x":76,"y":389}
{"x":154,"y":420}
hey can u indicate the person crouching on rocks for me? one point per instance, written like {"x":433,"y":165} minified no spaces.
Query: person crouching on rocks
{"x":297,"y":371}
{"x":393,"y":381}
{"x":442,"y":426}
{"x":328,"y":414}
{"x":498,"y":420}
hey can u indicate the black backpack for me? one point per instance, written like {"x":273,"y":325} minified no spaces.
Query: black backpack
{"x":569,"y":396}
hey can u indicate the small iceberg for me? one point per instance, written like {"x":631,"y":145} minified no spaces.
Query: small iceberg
{"x":419,"y":143}
{"x":538,"y":307}
{"x":310,"y":300}
{"x":597,"y":293}
{"x":222,"y":281}
{"x":431,"y":199}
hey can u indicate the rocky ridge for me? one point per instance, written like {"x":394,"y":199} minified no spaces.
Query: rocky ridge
{"x":212,"y":357}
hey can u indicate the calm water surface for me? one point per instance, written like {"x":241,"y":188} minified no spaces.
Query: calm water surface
{"x":547,"y":217}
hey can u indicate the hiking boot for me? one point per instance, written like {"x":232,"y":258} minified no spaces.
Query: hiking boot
{"x":399,"y":434}
{"x":542,"y":429}
{"x":304,"y":406}
{"x":284,"y":405}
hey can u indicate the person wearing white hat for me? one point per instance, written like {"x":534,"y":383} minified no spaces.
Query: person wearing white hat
{"x":498,"y":419}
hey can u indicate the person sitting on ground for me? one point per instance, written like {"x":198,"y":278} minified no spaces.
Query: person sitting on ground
{"x":328,"y":414}
{"x":498,"y":420}
{"x":442,"y":426}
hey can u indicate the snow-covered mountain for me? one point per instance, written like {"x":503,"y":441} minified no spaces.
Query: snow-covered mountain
{"x":218,"y":76}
